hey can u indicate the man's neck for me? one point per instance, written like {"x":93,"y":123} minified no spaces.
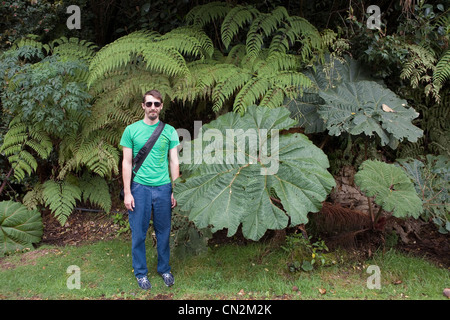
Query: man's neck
{"x":150,"y":122}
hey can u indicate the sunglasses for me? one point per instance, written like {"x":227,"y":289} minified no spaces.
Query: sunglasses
{"x":148,"y":104}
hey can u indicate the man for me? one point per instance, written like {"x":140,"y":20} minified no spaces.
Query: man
{"x":151,"y":188}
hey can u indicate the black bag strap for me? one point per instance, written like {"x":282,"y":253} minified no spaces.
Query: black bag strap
{"x":142,"y":154}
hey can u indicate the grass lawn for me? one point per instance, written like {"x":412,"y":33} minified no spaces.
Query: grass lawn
{"x":254,"y":271}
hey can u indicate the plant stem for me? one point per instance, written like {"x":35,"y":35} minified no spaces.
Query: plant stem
{"x":378,"y":215}
{"x":5,"y":181}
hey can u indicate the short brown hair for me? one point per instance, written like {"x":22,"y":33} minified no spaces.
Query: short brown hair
{"x":154,"y":93}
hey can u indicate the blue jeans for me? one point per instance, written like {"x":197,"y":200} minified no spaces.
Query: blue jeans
{"x":146,"y":199}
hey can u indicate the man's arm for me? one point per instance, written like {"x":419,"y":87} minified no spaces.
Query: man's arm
{"x":174,"y":167}
{"x":127,"y":166}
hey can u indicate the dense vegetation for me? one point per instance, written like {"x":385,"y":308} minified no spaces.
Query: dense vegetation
{"x":376,"y":99}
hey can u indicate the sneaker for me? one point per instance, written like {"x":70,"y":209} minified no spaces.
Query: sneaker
{"x":168,"y":278}
{"x":144,"y":283}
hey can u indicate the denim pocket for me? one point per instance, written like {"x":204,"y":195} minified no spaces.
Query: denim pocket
{"x":135,"y":186}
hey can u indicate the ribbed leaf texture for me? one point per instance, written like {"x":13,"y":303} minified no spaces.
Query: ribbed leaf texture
{"x":349,"y":101}
{"x":391,"y":187}
{"x":19,"y":227}
{"x":260,"y":181}
{"x":368,"y":107}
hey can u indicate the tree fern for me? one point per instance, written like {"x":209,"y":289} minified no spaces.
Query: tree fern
{"x":31,"y":43}
{"x":259,"y":69}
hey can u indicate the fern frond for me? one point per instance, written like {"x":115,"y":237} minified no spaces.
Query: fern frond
{"x":99,"y":156}
{"x":284,"y":62}
{"x":73,"y":49}
{"x":118,"y":54}
{"x":273,"y":98}
{"x":442,"y":71}
{"x":61,"y":197}
{"x":328,"y":37}
{"x":234,"y":20}
{"x":129,"y":93}
{"x":306,"y":34}
{"x":34,"y":197}
{"x":262,"y":26}
{"x":421,"y":60}
{"x":236,"y":54}
{"x":199,"y":16}
{"x":18,"y":137}
{"x":40,"y":141}
{"x":27,"y":42}
{"x":96,"y":191}
{"x":189,"y":41}
{"x":229,"y":82}
{"x":165,"y":60}
{"x":23,"y":163}
{"x":250,"y":93}
{"x":280,"y":43}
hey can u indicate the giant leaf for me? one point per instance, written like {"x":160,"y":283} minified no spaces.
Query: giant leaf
{"x":242,"y":171}
{"x":390,"y":186}
{"x":369,"y":108}
{"x":347,"y":100}
{"x":19,"y":227}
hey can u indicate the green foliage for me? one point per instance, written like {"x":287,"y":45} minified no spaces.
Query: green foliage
{"x":22,"y":17}
{"x":365,"y":107}
{"x":44,"y":87}
{"x":347,"y":102}
{"x":61,"y":197}
{"x":186,"y":239}
{"x":95,"y":190}
{"x":304,"y":254}
{"x":202,"y":15}
{"x":19,"y":145}
{"x":434,"y":120}
{"x":417,"y":50}
{"x":48,"y":91}
{"x":19,"y":227}
{"x":185,"y":65}
{"x":265,"y":184}
{"x":431,"y":181}
{"x":442,"y":71}
{"x":391,"y":187}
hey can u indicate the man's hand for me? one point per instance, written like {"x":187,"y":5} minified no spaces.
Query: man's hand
{"x":129,"y":201}
{"x":174,"y":202}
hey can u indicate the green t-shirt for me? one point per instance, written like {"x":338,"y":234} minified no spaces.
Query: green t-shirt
{"x":154,"y":171}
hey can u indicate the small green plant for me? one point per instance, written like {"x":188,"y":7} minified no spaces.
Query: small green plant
{"x":304,"y":254}
{"x":186,"y":239}
{"x":120,"y":220}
